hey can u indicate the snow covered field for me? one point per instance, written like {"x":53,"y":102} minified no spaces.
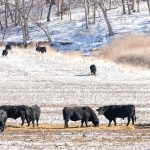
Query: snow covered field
{"x":55,"y":80}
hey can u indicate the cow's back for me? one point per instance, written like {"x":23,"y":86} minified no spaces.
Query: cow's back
{"x":72,"y":113}
{"x":14,"y":111}
{"x":36,"y":110}
{"x":120,"y":111}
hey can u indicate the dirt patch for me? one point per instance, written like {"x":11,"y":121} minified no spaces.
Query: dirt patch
{"x":56,"y":137}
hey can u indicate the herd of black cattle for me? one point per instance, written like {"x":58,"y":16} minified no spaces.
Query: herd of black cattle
{"x":85,"y":114}
{"x":39,"y":48}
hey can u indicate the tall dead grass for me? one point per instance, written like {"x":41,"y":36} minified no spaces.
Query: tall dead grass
{"x":132,"y":50}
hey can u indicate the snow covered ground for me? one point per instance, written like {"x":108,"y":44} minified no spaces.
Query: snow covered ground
{"x":55,"y":80}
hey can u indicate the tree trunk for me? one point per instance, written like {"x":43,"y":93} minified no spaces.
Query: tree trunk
{"x":16,"y":12}
{"x":129,"y":11}
{"x":138,"y":3}
{"x":49,"y":10}
{"x":58,"y":7}
{"x":62,"y":4}
{"x":148,"y":4}
{"x":107,"y":20}
{"x":10,"y":12}
{"x":6,"y":15}
{"x":123,"y":6}
{"x":1,"y":27}
{"x":94,"y":13}
{"x":86,"y":14}
{"x":70,"y":10}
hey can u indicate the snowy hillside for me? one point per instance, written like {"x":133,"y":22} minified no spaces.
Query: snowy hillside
{"x":77,"y":36}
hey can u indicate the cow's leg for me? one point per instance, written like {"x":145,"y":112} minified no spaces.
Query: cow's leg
{"x":2,"y":127}
{"x":66,"y":124}
{"x":37,"y":122}
{"x":86,"y":122}
{"x":109,"y":123}
{"x":132,"y":120}
{"x":28,"y":121}
{"x":128,"y":121}
{"x":115,"y":122}
{"x":33,"y":122}
{"x":23,"y":119}
{"x":82,"y":121}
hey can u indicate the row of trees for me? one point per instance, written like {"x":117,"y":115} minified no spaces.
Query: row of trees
{"x":23,"y":12}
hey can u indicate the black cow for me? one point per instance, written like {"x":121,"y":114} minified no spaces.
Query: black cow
{"x":8,"y":47}
{"x":4,"y":52}
{"x":16,"y":112}
{"x":84,"y":114}
{"x":41,"y":49}
{"x":34,"y":114}
{"x":118,"y":111}
{"x":93,"y":69}
{"x":3,"y":118}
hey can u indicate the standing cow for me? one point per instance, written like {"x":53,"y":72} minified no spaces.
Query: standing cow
{"x":4,"y":52}
{"x":16,"y":112}
{"x":3,"y":118}
{"x":8,"y":47}
{"x":118,"y":111}
{"x":33,"y":114}
{"x":40,"y":49}
{"x":93,"y":69}
{"x":84,"y":114}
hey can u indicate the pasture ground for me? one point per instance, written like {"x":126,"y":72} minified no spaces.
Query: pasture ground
{"x":55,"y":80}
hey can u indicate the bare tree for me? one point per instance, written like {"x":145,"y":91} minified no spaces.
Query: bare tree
{"x":52,"y":2}
{"x":6,"y":14}
{"x":104,"y":10}
{"x":123,"y":7}
{"x":43,"y":28}
{"x":148,"y":4}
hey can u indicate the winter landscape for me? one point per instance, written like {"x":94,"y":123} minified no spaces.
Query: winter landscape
{"x":61,"y":76}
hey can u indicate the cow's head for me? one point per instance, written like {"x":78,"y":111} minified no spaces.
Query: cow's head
{"x":100,"y":110}
{"x":96,"y":122}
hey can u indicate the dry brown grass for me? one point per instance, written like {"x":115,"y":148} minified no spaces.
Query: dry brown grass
{"x":72,"y":127}
{"x":132,"y":50}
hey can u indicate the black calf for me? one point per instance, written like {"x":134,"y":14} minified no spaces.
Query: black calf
{"x":4,"y":52}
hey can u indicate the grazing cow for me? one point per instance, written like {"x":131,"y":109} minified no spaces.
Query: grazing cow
{"x":34,"y":114}
{"x":16,"y":112}
{"x":84,"y":114}
{"x":8,"y":47}
{"x":41,"y":49}
{"x":3,"y":118}
{"x":118,"y":111}
{"x":93,"y":69}
{"x":4,"y":52}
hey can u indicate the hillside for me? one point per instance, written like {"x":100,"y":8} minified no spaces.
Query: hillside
{"x":73,"y":35}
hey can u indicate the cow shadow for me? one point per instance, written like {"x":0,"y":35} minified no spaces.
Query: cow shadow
{"x":82,"y":75}
{"x":142,"y":126}
{"x":74,"y":127}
